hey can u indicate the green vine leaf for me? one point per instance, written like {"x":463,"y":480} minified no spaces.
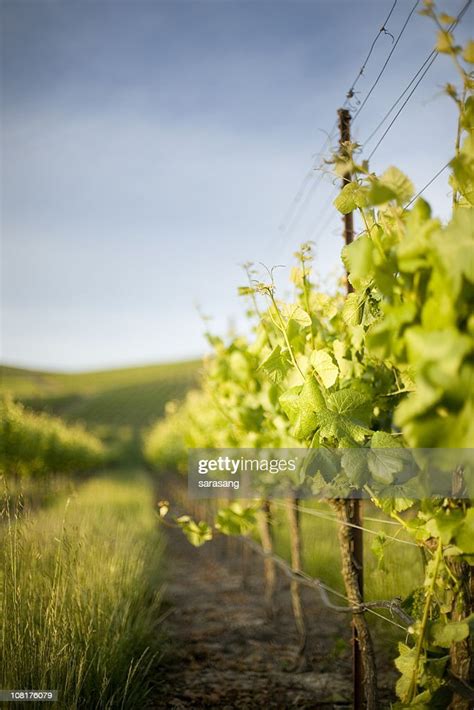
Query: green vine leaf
{"x":464,"y":535}
{"x":468,"y":53}
{"x":276,"y":365}
{"x":444,"y":635}
{"x":325,"y":367}
{"x":351,"y":196}
{"x":405,"y":663}
{"x":346,"y":416}
{"x":296,"y":313}
{"x":235,"y":520}
{"x":386,"y":458}
{"x":300,"y":404}
{"x":445,"y":524}
{"x":196,"y":533}
{"x":391,"y":185}
{"x":358,"y":260}
{"x":445,"y":42}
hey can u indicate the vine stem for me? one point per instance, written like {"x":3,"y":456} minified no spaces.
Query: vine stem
{"x":294,"y":525}
{"x":426,"y":611}
{"x":282,"y":328}
{"x":255,"y":305}
{"x":306,"y":297}
{"x":458,"y":140}
{"x":264,"y":523}
{"x":353,"y":592}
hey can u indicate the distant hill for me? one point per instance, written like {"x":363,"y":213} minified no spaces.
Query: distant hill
{"x":130,"y":397}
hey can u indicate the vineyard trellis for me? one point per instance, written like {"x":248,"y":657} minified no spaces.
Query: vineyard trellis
{"x":351,"y":511}
{"x":386,"y":367}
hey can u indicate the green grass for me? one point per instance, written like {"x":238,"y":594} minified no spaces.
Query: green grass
{"x":80,"y":580}
{"x":80,"y":595}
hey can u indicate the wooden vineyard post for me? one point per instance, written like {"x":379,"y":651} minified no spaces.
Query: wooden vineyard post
{"x":345,"y":137}
{"x":294,"y":530}
{"x":351,"y":539}
{"x":265,"y":529}
{"x":364,"y":668}
{"x":296,"y":565}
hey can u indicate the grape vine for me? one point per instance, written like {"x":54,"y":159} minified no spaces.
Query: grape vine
{"x":387,"y":368}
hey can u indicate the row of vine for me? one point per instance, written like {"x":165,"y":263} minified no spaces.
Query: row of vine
{"x":387,"y":368}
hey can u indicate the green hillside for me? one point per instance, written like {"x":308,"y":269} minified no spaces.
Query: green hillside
{"x":130,"y":397}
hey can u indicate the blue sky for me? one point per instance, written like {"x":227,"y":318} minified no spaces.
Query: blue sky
{"x":149,"y":148}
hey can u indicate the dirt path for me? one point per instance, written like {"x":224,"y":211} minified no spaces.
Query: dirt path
{"x":223,"y":652}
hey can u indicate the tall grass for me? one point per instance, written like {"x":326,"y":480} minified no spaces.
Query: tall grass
{"x":79,"y":596}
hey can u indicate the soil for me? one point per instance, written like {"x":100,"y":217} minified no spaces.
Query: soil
{"x":223,"y":650}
